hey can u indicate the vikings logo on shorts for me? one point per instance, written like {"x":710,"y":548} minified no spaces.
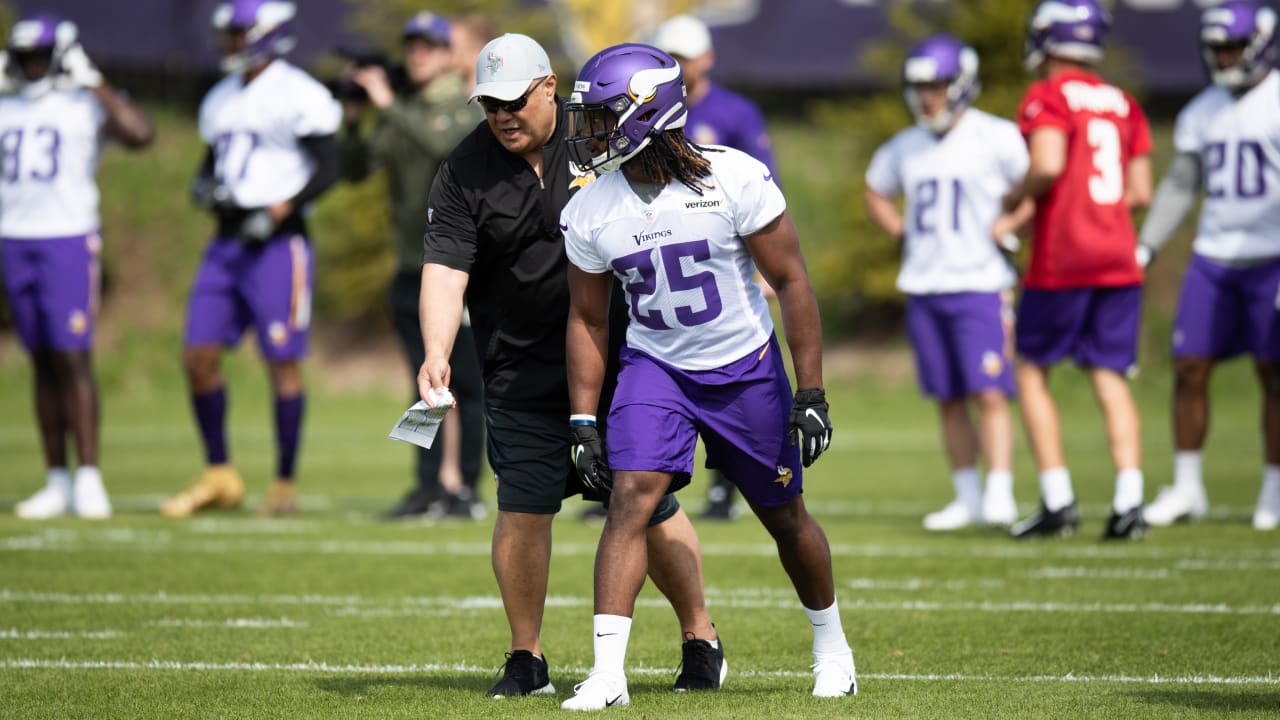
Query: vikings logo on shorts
{"x":992,"y":363}
{"x":277,"y":333}
{"x":78,"y":322}
{"x":784,"y":476}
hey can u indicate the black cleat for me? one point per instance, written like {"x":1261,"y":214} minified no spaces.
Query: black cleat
{"x":594,"y":512}
{"x":417,"y":504}
{"x":523,"y":674}
{"x":1048,"y":523}
{"x":1128,"y":525}
{"x":721,"y":510}
{"x":702,"y":666}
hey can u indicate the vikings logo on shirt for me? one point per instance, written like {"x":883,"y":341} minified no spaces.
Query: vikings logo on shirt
{"x":703,"y":134}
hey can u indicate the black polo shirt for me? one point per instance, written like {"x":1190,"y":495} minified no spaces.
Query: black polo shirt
{"x":489,"y":215}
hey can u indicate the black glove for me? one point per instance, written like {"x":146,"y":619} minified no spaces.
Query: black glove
{"x":587,"y":454}
{"x":810,"y":424}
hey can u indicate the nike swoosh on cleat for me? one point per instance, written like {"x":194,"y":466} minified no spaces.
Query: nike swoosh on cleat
{"x":609,"y":703}
{"x":605,"y":634}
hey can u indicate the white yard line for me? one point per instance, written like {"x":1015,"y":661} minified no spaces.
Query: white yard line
{"x":750,"y":599}
{"x":471,"y":669}
{"x":16,"y":634}
{"x":245,"y":623}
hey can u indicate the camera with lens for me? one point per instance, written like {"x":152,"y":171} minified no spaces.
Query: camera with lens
{"x":345,"y":88}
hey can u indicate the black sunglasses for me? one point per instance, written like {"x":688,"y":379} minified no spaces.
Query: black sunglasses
{"x":493,"y":105}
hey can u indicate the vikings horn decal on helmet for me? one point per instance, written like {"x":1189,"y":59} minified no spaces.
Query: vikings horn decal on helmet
{"x":1245,"y":24}
{"x":940,"y":59}
{"x":33,"y":34}
{"x":268,"y":29}
{"x":624,"y":96}
{"x":1068,"y":29}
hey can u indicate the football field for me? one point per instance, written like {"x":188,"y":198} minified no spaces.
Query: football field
{"x":335,"y":614}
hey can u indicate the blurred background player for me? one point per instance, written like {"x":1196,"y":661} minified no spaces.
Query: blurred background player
{"x":1228,"y":143}
{"x":953,"y":167}
{"x":1082,"y":296}
{"x":55,"y":111}
{"x":468,"y":34}
{"x":417,"y":128}
{"x":717,"y":116}
{"x":272,"y":150}
{"x":686,"y":229}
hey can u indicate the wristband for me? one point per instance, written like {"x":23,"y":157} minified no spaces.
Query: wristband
{"x":582,"y":419}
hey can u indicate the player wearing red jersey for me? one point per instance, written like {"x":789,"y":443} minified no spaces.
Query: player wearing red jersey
{"x":1082,"y":299}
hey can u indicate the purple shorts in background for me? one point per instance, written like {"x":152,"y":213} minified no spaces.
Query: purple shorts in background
{"x":265,"y":285}
{"x":52,"y":285}
{"x":1096,"y":327}
{"x":1224,"y":311}
{"x":740,"y":411}
{"x":961,"y":343}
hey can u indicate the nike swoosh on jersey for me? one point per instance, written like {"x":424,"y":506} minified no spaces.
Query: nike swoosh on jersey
{"x":564,"y":228}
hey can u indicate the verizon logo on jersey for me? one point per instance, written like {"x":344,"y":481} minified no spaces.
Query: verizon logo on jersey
{"x":642,"y":238}
{"x":696,"y":204}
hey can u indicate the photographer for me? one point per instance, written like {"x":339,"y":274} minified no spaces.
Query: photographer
{"x":416,"y":129}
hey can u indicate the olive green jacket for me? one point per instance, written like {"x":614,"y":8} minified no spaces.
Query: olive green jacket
{"x":413,"y":136}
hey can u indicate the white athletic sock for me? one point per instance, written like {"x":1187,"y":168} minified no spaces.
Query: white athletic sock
{"x":1271,"y":478}
{"x":610,"y":643}
{"x":1187,"y":471}
{"x":1000,"y":482}
{"x":88,"y":474}
{"x":1055,"y":488}
{"x":1128,"y":490}
{"x":968,"y":484}
{"x":60,"y":479}
{"x":828,"y":633}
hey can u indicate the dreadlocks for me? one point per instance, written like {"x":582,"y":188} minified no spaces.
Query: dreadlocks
{"x":670,"y":156}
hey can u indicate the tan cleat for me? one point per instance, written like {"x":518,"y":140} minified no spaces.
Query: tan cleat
{"x":281,"y":500}
{"x":219,"y":486}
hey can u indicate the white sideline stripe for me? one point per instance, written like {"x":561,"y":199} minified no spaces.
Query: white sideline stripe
{"x":16,"y":634}
{"x":436,"y":668}
{"x":748,"y":599}
{"x":250,"y":623}
{"x":94,"y":540}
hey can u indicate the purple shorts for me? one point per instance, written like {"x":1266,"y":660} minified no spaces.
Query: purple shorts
{"x":961,"y":343}
{"x":52,"y":285}
{"x":266,"y":285}
{"x":1225,"y":311}
{"x":1097,"y":327}
{"x":739,"y":410}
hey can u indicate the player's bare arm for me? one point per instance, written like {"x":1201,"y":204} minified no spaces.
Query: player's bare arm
{"x":126,"y":122}
{"x":1138,"y":183}
{"x":440,"y":307}
{"x":776,"y":251}
{"x":884,"y":212}
{"x":587,"y":337}
{"x":1048,"y":150}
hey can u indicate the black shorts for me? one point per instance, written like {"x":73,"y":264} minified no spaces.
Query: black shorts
{"x":529,"y":454}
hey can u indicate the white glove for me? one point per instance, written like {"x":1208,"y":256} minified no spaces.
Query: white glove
{"x":79,"y":68}
{"x":1143,"y":255}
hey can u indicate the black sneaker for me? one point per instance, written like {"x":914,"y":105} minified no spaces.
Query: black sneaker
{"x":462,"y":507}
{"x":1129,"y":525}
{"x":1046,"y":523}
{"x":523,"y":674}
{"x":724,"y":510}
{"x":416,"y":504}
{"x":702,"y":666}
{"x":594,"y":512}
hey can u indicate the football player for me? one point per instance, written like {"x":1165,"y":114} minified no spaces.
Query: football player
{"x":953,"y":167}
{"x":1228,"y":144}
{"x":1082,"y":297}
{"x":55,"y":111}
{"x":684,"y":227}
{"x":270,"y":129}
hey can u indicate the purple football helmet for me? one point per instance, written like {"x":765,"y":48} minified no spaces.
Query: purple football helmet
{"x":624,"y":96}
{"x":1067,"y":29}
{"x":268,"y":29}
{"x":39,"y":33}
{"x":940,"y":59}
{"x":1245,"y":24}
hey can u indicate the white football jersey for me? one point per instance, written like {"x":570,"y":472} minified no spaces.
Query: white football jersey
{"x":254,"y":130}
{"x":49,"y":148}
{"x":688,"y":275}
{"x":953,"y":185}
{"x":1238,"y":142}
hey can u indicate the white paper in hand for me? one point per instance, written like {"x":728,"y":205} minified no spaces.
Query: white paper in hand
{"x":420,"y":423}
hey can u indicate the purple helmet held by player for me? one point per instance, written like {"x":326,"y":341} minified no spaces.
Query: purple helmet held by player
{"x":1244,"y":25}
{"x":32,"y":36}
{"x":1067,"y":29}
{"x":940,"y":59}
{"x":624,"y":96}
{"x":267,"y":26}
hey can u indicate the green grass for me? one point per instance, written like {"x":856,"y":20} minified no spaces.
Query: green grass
{"x":333,"y":614}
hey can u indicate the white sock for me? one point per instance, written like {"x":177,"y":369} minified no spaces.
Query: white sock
{"x":1128,"y":490}
{"x":1271,"y":478}
{"x":1187,"y":472}
{"x":1000,"y":482}
{"x":968,"y":484}
{"x":610,"y":643}
{"x":828,"y":633}
{"x":59,"y":479}
{"x":1055,"y":488}
{"x":88,"y":474}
